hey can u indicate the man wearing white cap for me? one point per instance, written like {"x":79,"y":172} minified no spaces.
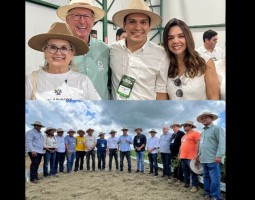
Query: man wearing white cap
{"x":211,"y":150}
{"x":139,"y":66}
{"x":81,"y":15}
{"x":34,"y":147}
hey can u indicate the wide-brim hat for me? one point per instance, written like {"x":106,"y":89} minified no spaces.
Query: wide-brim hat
{"x":196,"y":166}
{"x":124,"y":128}
{"x":37,"y":123}
{"x":113,"y":131}
{"x":71,"y":130}
{"x":199,"y":118}
{"x":152,"y":131}
{"x":175,"y":124}
{"x":59,"y":130}
{"x":136,"y":6}
{"x":81,"y":131}
{"x":189,"y":123}
{"x":100,"y":133}
{"x":48,"y":129}
{"x":138,"y":129}
{"x":90,"y":129}
{"x":58,"y":30}
{"x":63,"y":10}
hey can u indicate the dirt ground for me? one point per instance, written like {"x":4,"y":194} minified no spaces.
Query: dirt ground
{"x":107,"y":185}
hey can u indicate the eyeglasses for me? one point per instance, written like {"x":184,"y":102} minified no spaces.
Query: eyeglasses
{"x":53,"y":49}
{"x":179,"y":92}
{"x":76,"y":17}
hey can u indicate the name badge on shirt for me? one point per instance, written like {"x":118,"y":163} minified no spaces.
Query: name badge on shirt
{"x":184,"y":139}
{"x":102,"y":145}
{"x":172,"y":141}
{"x":126,"y":85}
{"x":202,"y":140}
{"x":138,"y":140}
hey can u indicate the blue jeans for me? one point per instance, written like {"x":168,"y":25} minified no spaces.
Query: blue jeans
{"x":49,"y":157}
{"x":187,"y":171}
{"x":153,"y":159}
{"x":69,"y":161}
{"x":127,"y":154}
{"x":35,"y":162}
{"x":101,"y":157}
{"x":166,"y":161}
{"x":211,"y":176}
{"x":140,"y":161}
{"x":59,"y":162}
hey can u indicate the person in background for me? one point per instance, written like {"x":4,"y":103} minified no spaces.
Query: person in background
{"x":101,"y":151}
{"x":90,"y":143}
{"x":112,"y":149}
{"x":164,"y":147}
{"x":34,"y":148}
{"x":188,"y":151}
{"x":125,"y":141}
{"x":70,"y":142}
{"x":210,"y":38}
{"x":174,"y":148}
{"x":152,"y":148}
{"x":61,"y":151}
{"x":139,"y":66}
{"x":81,"y":15}
{"x":190,"y":76}
{"x":80,"y":150}
{"x":139,"y":143}
{"x":212,"y":148}
{"x":121,"y":34}
{"x":57,"y":79}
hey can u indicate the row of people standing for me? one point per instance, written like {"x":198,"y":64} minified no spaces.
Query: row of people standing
{"x":132,"y":69}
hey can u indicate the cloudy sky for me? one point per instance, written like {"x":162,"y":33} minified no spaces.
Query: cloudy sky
{"x":106,"y":115}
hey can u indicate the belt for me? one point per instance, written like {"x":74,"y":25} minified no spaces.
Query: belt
{"x":113,"y":149}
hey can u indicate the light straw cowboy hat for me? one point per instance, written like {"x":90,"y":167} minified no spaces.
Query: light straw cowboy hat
{"x":81,"y":131}
{"x":113,"y":131}
{"x":189,"y":123}
{"x":152,"y":131}
{"x":175,"y":124}
{"x":71,"y":130}
{"x":100,"y":133}
{"x":196,"y":166}
{"x":136,"y":6}
{"x":138,"y":129}
{"x":90,"y":129}
{"x":63,"y":10}
{"x":59,"y":130}
{"x":37,"y":123}
{"x":58,"y":30}
{"x":48,"y":129}
{"x":124,"y":128}
{"x":199,"y":118}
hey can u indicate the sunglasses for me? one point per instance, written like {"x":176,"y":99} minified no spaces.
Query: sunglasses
{"x":179,"y":92}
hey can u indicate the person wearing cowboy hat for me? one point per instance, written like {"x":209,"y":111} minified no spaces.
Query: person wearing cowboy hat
{"x":143,"y":71}
{"x":61,"y":151}
{"x":174,"y":147}
{"x":188,"y":151}
{"x":211,"y":150}
{"x":70,"y":142}
{"x":81,"y":16}
{"x":124,"y":142}
{"x":57,"y":80}
{"x":139,"y":143}
{"x":101,"y":151}
{"x":80,"y":150}
{"x":165,"y":153}
{"x":112,"y":149}
{"x":50,"y":145}
{"x":152,"y":148}
{"x":34,"y":147}
{"x":90,"y":144}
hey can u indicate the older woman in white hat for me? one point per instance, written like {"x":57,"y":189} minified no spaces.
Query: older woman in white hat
{"x":211,"y":150}
{"x":81,"y":16}
{"x":141,"y":73}
{"x":57,"y":80}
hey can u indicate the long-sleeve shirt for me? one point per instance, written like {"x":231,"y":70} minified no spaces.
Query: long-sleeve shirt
{"x":153,"y":142}
{"x":34,"y":141}
{"x":212,"y":143}
{"x":125,"y":142}
{"x":101,"y":145}
{"x":139,"y":140}
{"x":50,"y":142}
{"x":70,"y":141}
{"x":164,"y":143}
{"x":61,"y":144}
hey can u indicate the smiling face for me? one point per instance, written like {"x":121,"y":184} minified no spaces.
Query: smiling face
{"x":59,"y":59}
{"x":176,"y":41}
{"x":137,"y":27}
{"x":81,"y":25}
{"x":206,"y":120}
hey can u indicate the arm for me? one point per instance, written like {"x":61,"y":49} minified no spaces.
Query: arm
{"x":211,"y":81}
{"x":221,"y":145}
{"x":162,"y":96}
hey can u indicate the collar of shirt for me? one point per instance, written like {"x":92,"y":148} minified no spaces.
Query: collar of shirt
{"x":141,"y":50}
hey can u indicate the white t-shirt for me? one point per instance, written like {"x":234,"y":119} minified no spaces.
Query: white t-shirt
{"x":217,"y":53}
{"x":67,"y":86}
{"x":148,"y":66}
